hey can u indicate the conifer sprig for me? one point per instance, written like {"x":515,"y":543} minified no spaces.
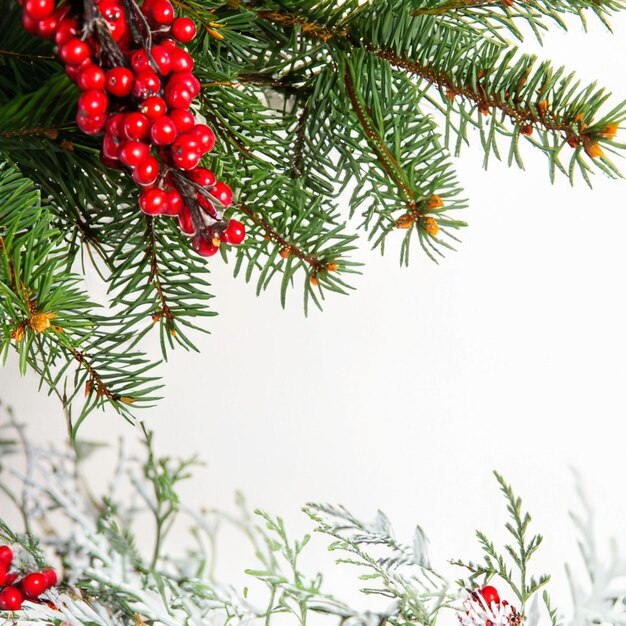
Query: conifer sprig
{"x":309,"y":99}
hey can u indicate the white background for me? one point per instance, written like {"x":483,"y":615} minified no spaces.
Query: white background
{"x":405,"y":395}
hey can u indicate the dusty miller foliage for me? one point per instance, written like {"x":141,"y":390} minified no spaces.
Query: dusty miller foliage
{"x":336,"y":120}
{"x":109,"y":581}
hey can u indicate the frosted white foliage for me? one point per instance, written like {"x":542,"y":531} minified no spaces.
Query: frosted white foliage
{"x":108,"y":581}
{"x":477,"y":612}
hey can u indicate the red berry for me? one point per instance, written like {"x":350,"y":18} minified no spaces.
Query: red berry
{"x":93,"y":102}
{"x":11,"y":599}
{"x":139,"y":60}
{"x":6,"y":555}
{"x":183,"y":120}
{"x":132,"y":153}
{"x":489,"y":594}
{"x":203,"y":177}
{"x":175,"y":203}
{"x":38,"y":9}
{"x":163,"y":131}
{"x":33,"y":585}
{"x":66,"y":30}
{"x":185,"y":155}
{"x":3,"y":574}
{"x":74,"y":70}
{"x":51,"y":577}
{"x":161,"y":56}
{"x":47,"y":27}
{"x":113,"y":13}
{"x":186,"y":79}
{"x":136,"y":126}
{"x":184,"y":29}
{"x":111,"y":146}
{"x":235,"y":232}
{"x":119,"y":81}
{"x":182,"y":61}
{"x":223,"y":193}
{"x":146,"y":172}
{"x":74,"y":51}
{"x":153,"y":201}
{"x":115,"y":125}
{"x":206,"y":204}
{"x":90,"y":124}
{"x":161,"y":12}
{"x":185,"y":221}
{"x":153,"y":107}
{"x":178,"y":96}
{"x":147,"y":83}
{"x":30,"y":24}
{"x":205,"y":136}
{"x":204,"y":247}
{"x":91,"y":77}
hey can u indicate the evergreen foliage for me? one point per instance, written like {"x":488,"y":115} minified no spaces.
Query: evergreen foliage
{"x":313,"y":101}
{"x":113,"y":576}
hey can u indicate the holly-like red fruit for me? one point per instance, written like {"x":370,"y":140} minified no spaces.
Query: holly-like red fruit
{"x":115,"y":125}
{"x":132,"y":153}
{"x":235,"y":233}
{"x":65,"y":31}
{"x":178,"y":96}
{"x":205,"y":136}
{"x":33,"y":585}
{"x":182,"y":61}
{"x":153,"y":201}
{"x":186,"y":79}
{"x":185,"y":153}
{"x":3,"y":574}
{"x":146,"y":172}
{"x":119,"y":81}
{"x":137,"y":126}
{"x":223,"y":193}
{"x":139,"y":60}
{"x":184,"y":29}
{"x":153,"y":107}
{"x":90,"y":124}
{"x":183,"y":120}
{"x":203,"y":177}
{"x":51,"y":577}
{"x":161,"y":56}
{"x":47,"y":27}
{"x":175,"y":203}
{"x":185,"y":221}
{"x":489,"y":594}
{"x":91,"y":77}
{"x":147,"y":83}
{"x":11,"y":599}
{"x":74,"y":51}
{"x":163,"y":131}
{"x":38,"y":9}
{"x":206,"y":204}
{"x":6,"y":555}
{"x":30,"y":24}
{"x":113,"y":13}
{"x":161,"y":12}
{"x":204,"y":247}
{"x":93,"y":102}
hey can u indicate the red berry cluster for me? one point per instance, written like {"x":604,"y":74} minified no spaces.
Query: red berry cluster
{"x":30,"y":587}
{"x":137,"y":86}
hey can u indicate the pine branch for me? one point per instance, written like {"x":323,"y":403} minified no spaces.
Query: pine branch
{"x":493,"y":81}
{"x":51,"y":322}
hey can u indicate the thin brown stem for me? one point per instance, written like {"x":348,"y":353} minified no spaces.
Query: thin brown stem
{"x":26,"y":55}
{"x":272,"y":234}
